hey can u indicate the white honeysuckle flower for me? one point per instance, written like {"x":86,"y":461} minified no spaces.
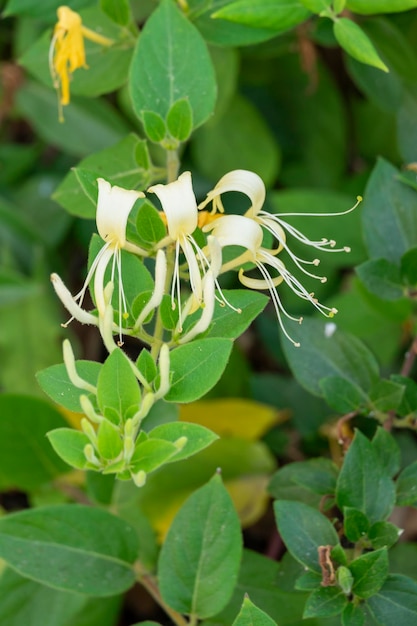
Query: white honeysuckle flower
{"x":238,"y":230}
{"x":253,"y":187}
{"x":180,"y":209}
{"x":159,"y":290}
{"x":114,"y":205}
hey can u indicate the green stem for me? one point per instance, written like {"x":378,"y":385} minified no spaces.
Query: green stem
{"x":151,"y":586}
{"x":173,"y":165}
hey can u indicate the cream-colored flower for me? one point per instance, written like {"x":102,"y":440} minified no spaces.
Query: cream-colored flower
{"x":67,"y":53}
{"x":180,"y":209}
{"x":114,"y":205}
{"x":238,"y":230}
{"x":253,"y":187}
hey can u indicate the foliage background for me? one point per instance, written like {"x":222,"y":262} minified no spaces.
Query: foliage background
{"x":320,"y":128}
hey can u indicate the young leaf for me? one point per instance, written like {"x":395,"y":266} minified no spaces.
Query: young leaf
{"x":303,"y":530}
{"x":201,"y":551}
{"x":380,"y":6}
{"x":109,"y":442}
{"x":150,"y":228}
{"x":146,"y":365}
{"x":196,"y":367}
{"x":163,"y":72}
{"x":341,"y":394}
{"x":369,"y":572}
{"x":69,"y":547}
{"x":356,"y":524}
{"x":55,"y":383}
{"x":278,"y":17}
{"x":363,"y":482}
{"x":325,"y":602}
{"x":151,"y":454}
{"x":383,"y":535}
{"x":228,"y":323}
{"x":354,"y":41}
{"x":180,"y":119}
{"x":69,"y":444}
{"x":251,"y":615}
{"x":388,"y":451}
{"x":117,"y":386}
{"x":154,"y":126}
{"x":118,"y":11}
{"x":386,"y":395}
{"x":197,"y":437}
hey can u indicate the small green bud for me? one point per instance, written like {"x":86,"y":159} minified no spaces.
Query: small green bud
{"x":181,"y":443}
{"x":139,"y":478}
{"x":344,"y":579}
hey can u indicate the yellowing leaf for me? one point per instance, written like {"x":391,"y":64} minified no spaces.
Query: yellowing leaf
{"x":237,"y":417}
{"x":74,"y":419}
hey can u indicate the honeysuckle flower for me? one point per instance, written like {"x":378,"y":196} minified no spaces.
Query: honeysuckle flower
{"x":180,"y":210}
{"x":114,"y":205}
{"x":238,"y":230}
{"x":208,"y":310}
{"x":252,"y":186}
{"x":67,"y":52}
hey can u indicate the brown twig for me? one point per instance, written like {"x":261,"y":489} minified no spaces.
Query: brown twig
{"x":409,"y":359}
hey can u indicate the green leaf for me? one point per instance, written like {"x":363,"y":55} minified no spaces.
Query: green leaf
{"x":354,"y":41}
{"x":408,"y":267}
{"x":251,"y":615}
{"x":325,"y":602}
{"x":381,"y":277}
{"x":370,"y":572}
{"x":388,"y":214}
{"x":69,"y":444}
{"x":149,"y":226}
{"x":146,"y":365}
{"x":386,"y":395}
{"x":69,"y":547}
{"x":388,"y":451}
{"x":154,"y":126}
{"x":303,"y":530}
{"x":117,"y":164}
{"x":27,"y":460}
{"x":309,"y":581}
{"x":90,"y":125}
{"x":198,"y":437}
{"x":317,"y":6}
{"x":270,"y":14}
{"x":246,"y":143}
{"x":163,"y":72}
{"x":344,"y":579}
{"x":395,"y":603}
{"x":151,"y":454}
{"x":380,"y":6}
{"x":207,"y":524}
{"x":356,"y":524}
{"x":46,"y":9}
{"x":409,"y":402}
{"x":320,"y":356}
{"x":406,"y":485}
{"x":406,"y":133}
{"x":363,"y":482}
{"x":341,"y":394}
{"x":118,"y":11}
{"x":353,"y":615}
{"x":180,"y":119}
{"x":56,"y":384}
{"x":24,"y":601}
{"x":315,"y":476}
{"x":117,"y":386}
{"x":226,"y":322}
{"x":196,"y":367}
{"x":383,"y":535}
{"x":109,"y":443}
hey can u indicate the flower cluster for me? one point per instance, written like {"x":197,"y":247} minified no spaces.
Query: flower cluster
{"x":192,"y":252}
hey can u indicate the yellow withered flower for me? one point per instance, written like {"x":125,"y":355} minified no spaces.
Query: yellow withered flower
{"x":67,"y":52}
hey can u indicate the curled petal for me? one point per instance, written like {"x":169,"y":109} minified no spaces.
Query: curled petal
{"x":244,"y":181}
{"x":208,"y":310}
{"x":70,"y":304}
